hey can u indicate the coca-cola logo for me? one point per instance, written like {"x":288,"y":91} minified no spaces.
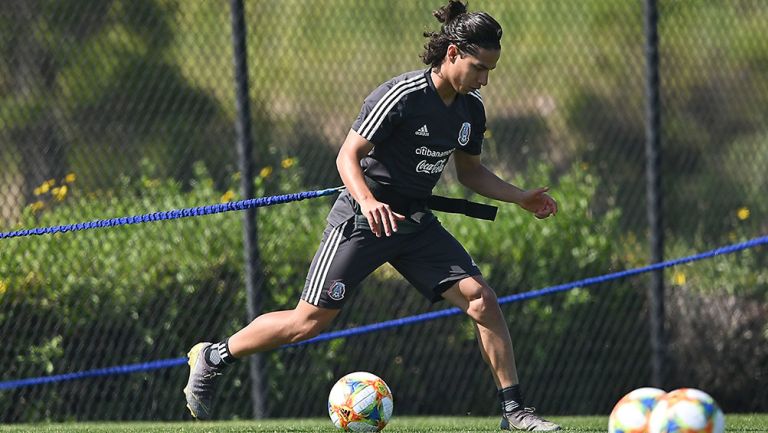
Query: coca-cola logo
{"x":431,"y":168}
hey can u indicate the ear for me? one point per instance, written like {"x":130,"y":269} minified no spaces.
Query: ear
{"x":452,"y":53}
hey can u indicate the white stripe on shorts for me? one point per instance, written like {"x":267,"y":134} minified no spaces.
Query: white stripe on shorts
{"x":324,"y":264}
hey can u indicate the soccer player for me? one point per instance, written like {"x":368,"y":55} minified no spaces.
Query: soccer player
{"x":394,"y":154}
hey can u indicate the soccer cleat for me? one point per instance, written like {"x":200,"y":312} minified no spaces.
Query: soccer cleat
{"x":202,"y":381}
{"x":524,"y":419}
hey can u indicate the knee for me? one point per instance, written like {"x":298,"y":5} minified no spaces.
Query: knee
{"x":305,"y":331}
{"x":305,"y":328}
{"x":483,"y":303}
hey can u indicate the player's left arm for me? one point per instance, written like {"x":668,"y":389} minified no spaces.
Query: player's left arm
{"x":477,"y":177}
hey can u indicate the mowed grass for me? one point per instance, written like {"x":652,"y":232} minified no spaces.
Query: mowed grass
{"x":734,"y":423}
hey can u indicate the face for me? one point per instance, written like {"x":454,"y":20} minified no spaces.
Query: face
{"x":468,"y":72}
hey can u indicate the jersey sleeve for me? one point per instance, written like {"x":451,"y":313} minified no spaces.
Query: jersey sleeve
{"x":381,"y":112}
{"x":477,"y":111}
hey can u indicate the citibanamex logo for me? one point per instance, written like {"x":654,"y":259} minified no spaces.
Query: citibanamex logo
{"x":432,"y":168}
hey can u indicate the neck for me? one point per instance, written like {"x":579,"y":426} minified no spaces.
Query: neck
{"x":444,"y":87}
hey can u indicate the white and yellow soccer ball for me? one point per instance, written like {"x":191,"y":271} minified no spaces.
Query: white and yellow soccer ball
{"x":687,"y":410}
{"x":632,"y":413}
{"x":360,"y":402}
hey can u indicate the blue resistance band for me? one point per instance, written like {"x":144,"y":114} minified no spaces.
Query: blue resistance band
{"x":166,"y":363}
{"x":174,"y":214}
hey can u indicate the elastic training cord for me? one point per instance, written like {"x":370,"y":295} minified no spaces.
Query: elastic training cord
{"x":174,"y":214}
{"x":405,"y":321}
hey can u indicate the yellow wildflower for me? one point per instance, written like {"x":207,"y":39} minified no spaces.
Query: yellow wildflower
{"x":288,"y":162}
{"x":38,"y":190}
{"x":743,"y":213}
{"x":44,"y":187}
{"x":227,"y":196}
{"x":60,"y":193}
{"x":70,"y":177}
{"x":266,"y":171}
{"x":3,"y":287}
{"x":679,"y":278}
{"x":37,"y":206}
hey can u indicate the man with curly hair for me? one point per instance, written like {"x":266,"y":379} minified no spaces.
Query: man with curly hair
{"x":399,"y":145}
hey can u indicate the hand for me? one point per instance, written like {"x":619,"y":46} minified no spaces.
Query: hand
{"x":380,"y":216}
{"x":538,"y":202}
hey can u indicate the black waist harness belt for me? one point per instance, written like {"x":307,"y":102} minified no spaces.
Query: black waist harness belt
{"x":465,"y":207}
{"x":409,"y":205}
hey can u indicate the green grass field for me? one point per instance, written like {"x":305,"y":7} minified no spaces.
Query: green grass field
{"x":734,"y":423}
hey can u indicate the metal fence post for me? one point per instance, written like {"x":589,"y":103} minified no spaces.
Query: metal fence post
{"x":253,"y":278}
{"x":653,"y":193}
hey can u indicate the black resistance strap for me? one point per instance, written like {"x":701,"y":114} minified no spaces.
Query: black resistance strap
{"x":408,"y":205}
{"x":464,"y":207}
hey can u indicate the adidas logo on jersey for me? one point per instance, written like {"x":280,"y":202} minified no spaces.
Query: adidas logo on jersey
{"x":423,"y":131}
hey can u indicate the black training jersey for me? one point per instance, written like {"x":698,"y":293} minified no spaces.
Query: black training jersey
{"x":414,"y":133}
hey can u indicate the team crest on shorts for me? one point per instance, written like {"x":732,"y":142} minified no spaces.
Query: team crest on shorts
{"x":337,"y":291}
{"x":466,"y":128}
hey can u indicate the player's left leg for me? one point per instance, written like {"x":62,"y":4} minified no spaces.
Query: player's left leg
{"x":440,"y":268}
{"x":473,"y":296}
{"x":476,"y":298}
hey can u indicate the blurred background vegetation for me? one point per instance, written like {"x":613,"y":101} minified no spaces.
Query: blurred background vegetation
{"x":122,"y":107}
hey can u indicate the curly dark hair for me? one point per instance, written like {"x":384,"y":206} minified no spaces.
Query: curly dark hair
{"x":469,"y":31}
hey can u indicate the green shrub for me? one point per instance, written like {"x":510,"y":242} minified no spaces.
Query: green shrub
{"x":104,"y":297}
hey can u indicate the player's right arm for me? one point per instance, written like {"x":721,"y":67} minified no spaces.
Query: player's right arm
{"x":379,"y":215}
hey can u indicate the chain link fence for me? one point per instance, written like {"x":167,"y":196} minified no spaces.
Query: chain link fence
{"x":121,"y":108}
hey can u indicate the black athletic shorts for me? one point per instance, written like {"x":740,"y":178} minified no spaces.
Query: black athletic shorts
{"x":431,"y":259}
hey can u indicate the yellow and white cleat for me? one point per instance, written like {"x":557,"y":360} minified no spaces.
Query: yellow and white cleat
{"x":201,"y":383}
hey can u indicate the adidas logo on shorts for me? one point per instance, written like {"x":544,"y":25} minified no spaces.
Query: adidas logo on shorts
{"x":423,"y":131}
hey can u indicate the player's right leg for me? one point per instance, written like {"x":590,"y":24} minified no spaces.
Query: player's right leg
{"x":207,"y":361}
{"x":345,"y":256}
{"x":278,"y":328}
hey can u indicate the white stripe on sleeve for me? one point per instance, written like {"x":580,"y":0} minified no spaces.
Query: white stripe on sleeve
{"x":379,"y":112}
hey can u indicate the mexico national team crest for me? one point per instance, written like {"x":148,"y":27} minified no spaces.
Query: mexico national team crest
{"x":466,"y":128}
{"x":337,"y":290}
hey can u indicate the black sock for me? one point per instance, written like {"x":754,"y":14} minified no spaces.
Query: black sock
{"x":511,"y":399}
{"x":218,"y":355}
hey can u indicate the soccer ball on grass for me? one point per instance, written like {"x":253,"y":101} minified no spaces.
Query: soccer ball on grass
{"x":360,"y":402}
{"x":687,"y":410}
{"x":632,"y":413}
